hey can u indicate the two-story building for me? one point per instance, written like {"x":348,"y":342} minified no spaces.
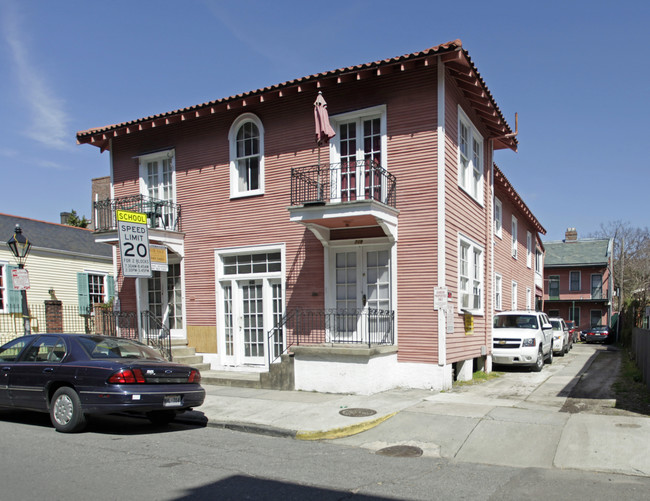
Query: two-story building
{"x":579,"y":280}
{"x":369,"y":256}
{"x":518,"y":250}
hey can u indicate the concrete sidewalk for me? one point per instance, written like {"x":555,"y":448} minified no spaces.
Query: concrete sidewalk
{"x":512,"y":421}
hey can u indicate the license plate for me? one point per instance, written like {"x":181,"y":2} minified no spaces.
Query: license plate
{"x":171,"y":401}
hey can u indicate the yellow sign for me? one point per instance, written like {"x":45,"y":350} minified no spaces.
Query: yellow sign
{"x":131,"y":217}
{"x":469,"y":323}
{"x":158,"y":255}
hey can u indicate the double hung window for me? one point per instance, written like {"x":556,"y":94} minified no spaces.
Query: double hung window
{"x":470,"y":157}
{"x":470,"y":267}
{"x":246,"y":156}
{"x":158,"y":185}
{"x":574,"y":281}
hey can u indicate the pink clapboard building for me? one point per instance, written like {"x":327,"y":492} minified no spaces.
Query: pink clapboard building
{"x":359,"y":263}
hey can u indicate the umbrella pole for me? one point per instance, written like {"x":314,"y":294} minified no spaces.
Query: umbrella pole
{"x":319,"y":194}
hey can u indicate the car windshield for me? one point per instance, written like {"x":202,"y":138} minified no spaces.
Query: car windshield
{"x":557,"y":325}
{"x":101,"y":347}
{"x":515,"y":321}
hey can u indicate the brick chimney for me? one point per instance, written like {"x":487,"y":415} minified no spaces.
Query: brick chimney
{"x":571,"y":235}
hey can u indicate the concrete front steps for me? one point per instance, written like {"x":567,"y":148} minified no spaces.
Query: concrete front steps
{"x":279,"y":377}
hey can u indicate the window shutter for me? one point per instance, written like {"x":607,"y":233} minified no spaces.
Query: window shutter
{"x":83,"y":292}
{"x":14,"y":297}
{"x":110,"y":287}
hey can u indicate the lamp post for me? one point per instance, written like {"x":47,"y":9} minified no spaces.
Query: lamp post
{"x":20,"y":246}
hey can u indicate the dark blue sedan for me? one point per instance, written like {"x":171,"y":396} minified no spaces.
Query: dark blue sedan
{"x":71,"y":376}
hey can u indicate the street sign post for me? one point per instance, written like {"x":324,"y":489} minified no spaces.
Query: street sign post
{"x":134,"y":243}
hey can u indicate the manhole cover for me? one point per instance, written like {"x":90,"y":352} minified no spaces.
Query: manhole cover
{"x":357,"y":412}
{"x":401,"y":451}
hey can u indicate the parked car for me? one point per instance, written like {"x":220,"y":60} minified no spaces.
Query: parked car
{"x":71,"y":376}
{"x":597,"y":334}
{"x":574,"y":332}
{"x":562,"y":342}
{"x":522,"y":338}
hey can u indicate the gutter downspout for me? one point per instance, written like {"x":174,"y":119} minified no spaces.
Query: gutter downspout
{"x":441,"y":132}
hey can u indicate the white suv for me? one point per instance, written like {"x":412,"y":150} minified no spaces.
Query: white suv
{"x":522,"y":338}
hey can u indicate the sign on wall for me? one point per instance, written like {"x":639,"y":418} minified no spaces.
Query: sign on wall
{"x":20,"y":279}
{"x":134,"y":243}
{"x":158,"y":257}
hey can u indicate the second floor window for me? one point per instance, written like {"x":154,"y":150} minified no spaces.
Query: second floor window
{"x":554,"y":286}
{"x":246,"y":156}
{"x":596,"y":286}
{"x":529,"y":249}
{"x":470,"y":157}
{"x":574,"y":281}
{"x":514,"y":237}
{"x":158,"y":184}
{"x":498,"y":292}
{"x":498,"y":217}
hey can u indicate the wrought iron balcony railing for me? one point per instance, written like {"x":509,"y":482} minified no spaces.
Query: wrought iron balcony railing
{"x":343,"y":182}
{"x":161,"y":214}
{"x":337,"y":327}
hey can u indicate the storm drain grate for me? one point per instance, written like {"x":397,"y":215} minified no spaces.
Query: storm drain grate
{"x":401,"y":451}
{"x":357,"y":412}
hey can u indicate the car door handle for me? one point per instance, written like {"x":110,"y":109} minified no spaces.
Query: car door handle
{"x":47,"y":370}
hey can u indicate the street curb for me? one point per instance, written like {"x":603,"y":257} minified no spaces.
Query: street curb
{"x":342,"y":432}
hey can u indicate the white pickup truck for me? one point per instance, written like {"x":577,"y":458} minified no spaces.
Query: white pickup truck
{"x":522,"y":338}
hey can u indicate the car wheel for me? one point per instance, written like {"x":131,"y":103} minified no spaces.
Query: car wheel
{"x":539,"y":363}
{"x":549,"y":360}
{"x":161,"y":418}
{"x":66,"y":413}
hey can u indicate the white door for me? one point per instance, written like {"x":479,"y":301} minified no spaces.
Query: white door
{"x":362,"y":295}
{"x":250,"y":309}
{"x":164,"y":297}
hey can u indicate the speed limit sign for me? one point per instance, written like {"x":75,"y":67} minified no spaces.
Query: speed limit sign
{"x":134,"y":243}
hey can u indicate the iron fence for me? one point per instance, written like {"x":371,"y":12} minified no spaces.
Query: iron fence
{"x":73,"y":319}
{"x":337,"y":327}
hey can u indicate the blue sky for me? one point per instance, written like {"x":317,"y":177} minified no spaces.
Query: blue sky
{"x":577,"y":73}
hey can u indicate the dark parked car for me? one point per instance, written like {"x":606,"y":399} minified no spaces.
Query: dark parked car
{"x":574,"y":332}
{"x":71,"y":376}
{"x":597,"y":334}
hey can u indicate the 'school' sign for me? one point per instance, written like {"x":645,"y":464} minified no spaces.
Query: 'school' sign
{"x":134,"y":243}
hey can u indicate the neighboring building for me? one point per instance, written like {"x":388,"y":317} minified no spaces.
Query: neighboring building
{"x":101,"y":190}
{"x":518,"y":251}
{"x":579,"y":280}
{"x":343,"y":253}
{"x":65,"y":263}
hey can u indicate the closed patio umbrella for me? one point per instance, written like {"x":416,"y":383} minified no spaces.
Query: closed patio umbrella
{"x":324,"y":131}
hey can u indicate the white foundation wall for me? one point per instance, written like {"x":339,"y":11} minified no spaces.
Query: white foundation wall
{"x":365,"y":376}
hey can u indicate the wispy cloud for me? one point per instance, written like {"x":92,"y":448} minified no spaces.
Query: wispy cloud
{"x":49,"y":120}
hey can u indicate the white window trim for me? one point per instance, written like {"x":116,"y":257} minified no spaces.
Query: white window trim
{"x":473,"y":247}
{"x":498,"y":218}
{"x":466,"y":184}
{"x":514,"y":230}
{"x":529,"y":298}
{"x":232,"y":139}
{"x":514,"y":293}
{"x":498,"y":292}
{"x":158,"y":155}
{"x":529,"y":249}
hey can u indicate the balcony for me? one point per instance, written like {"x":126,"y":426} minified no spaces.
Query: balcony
{"x":161,"y":214}
{"x":344,"y":196}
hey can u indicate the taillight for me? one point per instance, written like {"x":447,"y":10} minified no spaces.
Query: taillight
{"x":126,"y":376}
{"x":195,"y":376}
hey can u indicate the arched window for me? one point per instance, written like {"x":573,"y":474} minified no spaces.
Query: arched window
{"x":246,"y":156}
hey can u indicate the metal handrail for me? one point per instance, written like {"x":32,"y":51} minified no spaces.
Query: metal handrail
{"x":157,"y":334}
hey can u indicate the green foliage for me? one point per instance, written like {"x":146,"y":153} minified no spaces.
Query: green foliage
{"x":74,"y":220}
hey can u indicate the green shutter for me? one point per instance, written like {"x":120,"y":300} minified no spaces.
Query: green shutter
{"x":110,"y":287}
{"x":83,"y":292}
{"x":14,"y":297}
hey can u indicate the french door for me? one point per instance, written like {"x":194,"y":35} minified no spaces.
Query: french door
{"x":164,"y":297}
{"x":358,"y":175}
{"x":250,"y":310}
{"x":361,"y":296}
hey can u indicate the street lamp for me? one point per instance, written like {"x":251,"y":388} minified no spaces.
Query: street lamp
{"x":20,"y":246}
